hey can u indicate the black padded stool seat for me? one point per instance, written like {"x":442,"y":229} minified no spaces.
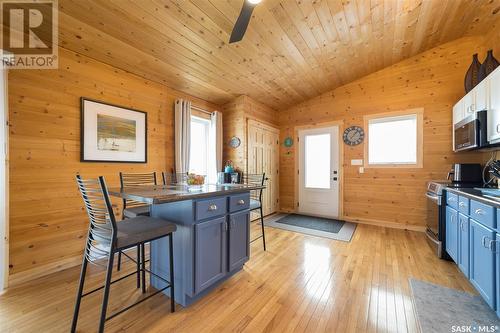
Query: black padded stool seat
{"x":140,"y":229}
{"x":136,"y":211}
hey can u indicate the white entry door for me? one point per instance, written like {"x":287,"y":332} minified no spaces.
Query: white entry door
{"x":319,"y":172}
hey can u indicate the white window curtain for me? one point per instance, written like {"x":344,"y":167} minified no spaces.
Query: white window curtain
{"x":215,"y":147}
{"x":182,"y":135}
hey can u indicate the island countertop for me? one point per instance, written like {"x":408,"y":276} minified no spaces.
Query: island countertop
{"x":159,"y":194}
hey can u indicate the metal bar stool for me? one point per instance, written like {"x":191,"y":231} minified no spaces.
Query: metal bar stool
{"x":256,"y":199}
{"x":173,"y":178}
{"x":132,"y":208}
{"x":106,"y":237}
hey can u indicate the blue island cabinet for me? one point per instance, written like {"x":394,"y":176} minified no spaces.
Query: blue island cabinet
{"x":210,"y":253}
{"x":211,"y":244}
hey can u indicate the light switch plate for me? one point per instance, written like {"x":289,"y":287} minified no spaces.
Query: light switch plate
{"x":356,"y":162}
{"x":361,"y":170}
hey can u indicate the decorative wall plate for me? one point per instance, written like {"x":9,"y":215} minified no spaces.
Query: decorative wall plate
{"x":288,"y":142}
{"x":353,"y":135}
{"x":235,"y":142}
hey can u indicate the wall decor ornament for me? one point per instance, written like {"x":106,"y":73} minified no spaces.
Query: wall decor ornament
{"x":112,"y":133}
{"x":472,"y":75}
{"x":235,"y":142}
{"x":488,"y":66}
{"x":288,"y":142}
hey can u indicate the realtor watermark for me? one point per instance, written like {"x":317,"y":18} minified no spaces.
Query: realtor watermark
{"x":475,"y":328}
{"x":29,"y":36}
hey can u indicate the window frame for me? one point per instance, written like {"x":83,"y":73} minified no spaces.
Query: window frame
{"x":419,"y":113}
{"x":205,"y":122}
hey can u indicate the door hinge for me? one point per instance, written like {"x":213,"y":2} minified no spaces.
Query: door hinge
{"x":297,"y":204}
{"x":298,"y":171}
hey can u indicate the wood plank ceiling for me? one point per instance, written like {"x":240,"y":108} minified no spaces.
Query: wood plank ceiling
{"x":292,"y":51}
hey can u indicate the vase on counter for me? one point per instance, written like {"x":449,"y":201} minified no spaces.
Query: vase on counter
{"x":229,"y":167}
{"x":472,"y":75}
{"x":488,"y":66}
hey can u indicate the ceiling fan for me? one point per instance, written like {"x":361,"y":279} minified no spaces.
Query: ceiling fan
{"x":242,"y":22}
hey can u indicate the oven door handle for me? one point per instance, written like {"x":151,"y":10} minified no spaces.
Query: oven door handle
{"x":434,"y":197}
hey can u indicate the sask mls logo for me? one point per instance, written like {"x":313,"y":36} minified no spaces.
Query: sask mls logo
{"x":29,"y":34}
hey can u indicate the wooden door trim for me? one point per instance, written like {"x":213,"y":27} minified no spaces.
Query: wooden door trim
{"x":256,"y":123}
{"x":340,"y":124}
{"x":275,"y":130}
{"x":4,"y":219}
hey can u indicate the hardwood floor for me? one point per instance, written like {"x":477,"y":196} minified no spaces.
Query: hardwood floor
{"x":302,"y":283}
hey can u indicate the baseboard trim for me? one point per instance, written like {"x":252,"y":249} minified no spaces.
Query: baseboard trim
{"x":379,"y":223}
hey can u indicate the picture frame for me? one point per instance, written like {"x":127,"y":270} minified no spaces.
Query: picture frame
{"x":112,"y":133}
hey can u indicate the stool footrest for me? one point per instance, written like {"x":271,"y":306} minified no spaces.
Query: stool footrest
{"x":136,"y":303}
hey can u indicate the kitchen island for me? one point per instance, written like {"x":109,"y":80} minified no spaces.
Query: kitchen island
{"x":212,"y":241}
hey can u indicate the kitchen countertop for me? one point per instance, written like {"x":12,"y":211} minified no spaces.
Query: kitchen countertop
{"x":473,"y":193}
{"x":170,"y":193}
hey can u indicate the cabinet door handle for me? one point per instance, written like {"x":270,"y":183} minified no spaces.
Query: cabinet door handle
{"x":462,"y":226}
{"x":493,"y":246}
{"x":461,"y":204}
{"x":479,"y":211}
{"x":483,"y":242}
{"x":212,"y":207}
{"x":498,"y":128}
{"x":241,"y":202}
{"x":226,"y":226}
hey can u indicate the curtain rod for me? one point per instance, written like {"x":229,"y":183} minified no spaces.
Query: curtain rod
{"x":200,"y":109}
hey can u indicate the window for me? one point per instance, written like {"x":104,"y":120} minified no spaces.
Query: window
{"x":394,"y":139}
{"x":198,"y":154}
{"x":317,"y":160}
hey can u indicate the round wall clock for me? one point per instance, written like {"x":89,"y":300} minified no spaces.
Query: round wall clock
{"x":288,"y":142}
{"x":353,"y":135}
{"x":234,"y":142}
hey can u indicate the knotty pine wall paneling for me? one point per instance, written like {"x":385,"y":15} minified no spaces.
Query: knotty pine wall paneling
{"x":47,"y":220}
{"x":236,"y":116}
{"x":432,"y":80}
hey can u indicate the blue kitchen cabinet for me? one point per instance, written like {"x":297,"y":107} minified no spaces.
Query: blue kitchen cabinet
{"x":452,"y":233}
{"x":463,"y":244}
{"x":239,"y":239}
{"x":210,"y":253}
{"x":483,"y":261}
{"x":452,"y":200}
{"x":497,"y":277}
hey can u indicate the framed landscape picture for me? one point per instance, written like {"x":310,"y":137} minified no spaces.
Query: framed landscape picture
{"x":111,"y":133}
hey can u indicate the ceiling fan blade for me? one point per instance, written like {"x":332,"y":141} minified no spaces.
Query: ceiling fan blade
{"x":242,"y":22}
